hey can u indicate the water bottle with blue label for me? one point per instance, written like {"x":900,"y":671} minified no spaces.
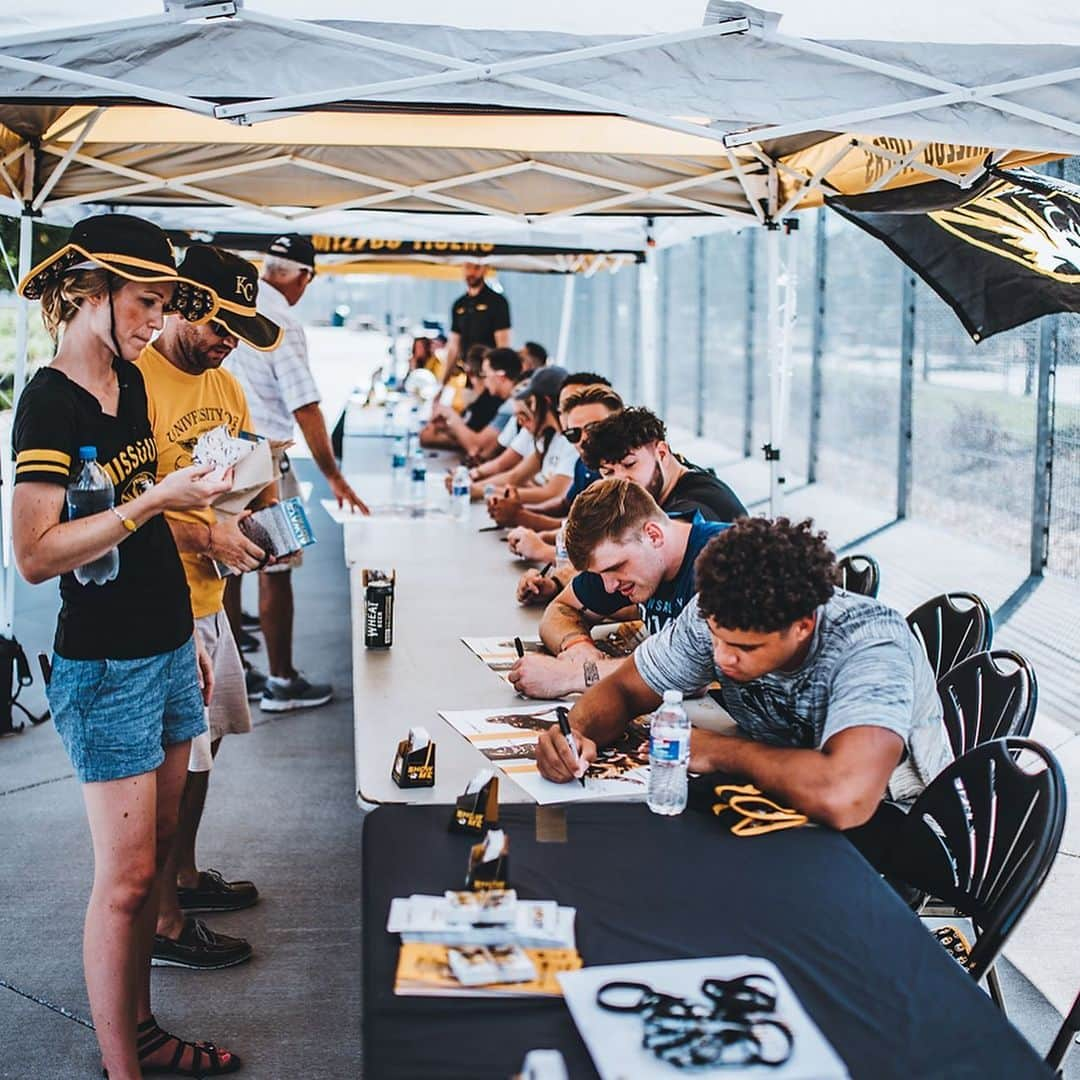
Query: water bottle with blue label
{"x":669,"y":756}
{"x":460,"y":493}
{"x":91,"y":492}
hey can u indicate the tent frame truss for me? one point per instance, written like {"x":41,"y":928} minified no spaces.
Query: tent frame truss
{"x":947,"y":93}
{"x":142,"y":181}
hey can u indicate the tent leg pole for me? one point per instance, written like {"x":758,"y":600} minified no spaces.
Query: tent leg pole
{"x":907,"y":390}
{"x":613,"y":323}
{"x":1044,"y":444}
{"x":773,"y":348}
{"x":702,"y":335}
{"x":748,"y":362}
{"x":645,"y":385}
{"x":22,"y":338}
{"x":789,"y":292}
{"x":817,"y":352}
{"x":637,"y":332}
{"x":664,"y":291}
{"x":566,"y":320}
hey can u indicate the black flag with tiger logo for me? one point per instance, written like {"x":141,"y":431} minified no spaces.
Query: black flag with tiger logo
{"x":999,"y":254}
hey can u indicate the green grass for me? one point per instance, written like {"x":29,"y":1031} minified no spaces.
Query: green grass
{"x":40,"y":350}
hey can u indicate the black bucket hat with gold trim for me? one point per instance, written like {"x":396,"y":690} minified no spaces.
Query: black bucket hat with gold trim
{"x":234,"y":283}
{"x":124,"y":245}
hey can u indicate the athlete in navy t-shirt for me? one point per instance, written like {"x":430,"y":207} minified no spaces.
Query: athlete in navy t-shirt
{"x":634,"y":562}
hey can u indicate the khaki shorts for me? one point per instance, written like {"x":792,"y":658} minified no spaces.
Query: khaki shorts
{"x":288,"y":488}
{"x":229,"y":713}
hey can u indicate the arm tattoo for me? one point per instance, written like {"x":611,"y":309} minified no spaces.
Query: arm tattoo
{"x":592,"y":673}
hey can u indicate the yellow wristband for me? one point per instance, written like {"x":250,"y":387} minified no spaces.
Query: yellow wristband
{"x":125,"y":521}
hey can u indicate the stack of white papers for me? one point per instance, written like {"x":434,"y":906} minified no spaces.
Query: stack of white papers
{"x":534,"y":924}
{"x":482,"y":966}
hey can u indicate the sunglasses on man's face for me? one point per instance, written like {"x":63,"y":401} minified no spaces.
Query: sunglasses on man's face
{"x":574,"y":434}
{"x":220,"y":329}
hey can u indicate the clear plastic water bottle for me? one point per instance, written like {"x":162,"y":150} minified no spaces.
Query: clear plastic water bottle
{"x":419,"y":478}
{"x":561,"y":557}
{"x":669,"y":755}
{"x":414,"y":429}
{"x":388,"y":418}
{"x":460,"y":494}
{"x":91,"y":493}
{"x":399,"y":468}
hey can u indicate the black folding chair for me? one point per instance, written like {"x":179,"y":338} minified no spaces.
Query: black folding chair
{"x":952,"y":627}
{"x":859,"y":574}
{"x":1066,"y":1037}
{"x":988,"y":696}
{"x":988,"y":829}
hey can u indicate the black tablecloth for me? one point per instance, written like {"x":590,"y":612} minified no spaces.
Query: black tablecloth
{"x":884,"y":993}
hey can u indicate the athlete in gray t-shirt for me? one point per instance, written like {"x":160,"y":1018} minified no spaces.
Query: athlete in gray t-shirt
{"x":832,"y":692}
{"x":864,"y":668}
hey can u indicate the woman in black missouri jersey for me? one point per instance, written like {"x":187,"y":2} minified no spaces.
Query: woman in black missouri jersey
{"x":127,"y":691}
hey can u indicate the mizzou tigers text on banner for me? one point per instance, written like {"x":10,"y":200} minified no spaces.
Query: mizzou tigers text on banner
{"x":1004,"y":255}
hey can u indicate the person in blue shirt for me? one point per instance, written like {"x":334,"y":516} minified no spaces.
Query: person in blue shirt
{"x":635,"y":563}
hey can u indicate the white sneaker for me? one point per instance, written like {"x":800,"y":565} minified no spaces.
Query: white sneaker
{"x":284,"y":695}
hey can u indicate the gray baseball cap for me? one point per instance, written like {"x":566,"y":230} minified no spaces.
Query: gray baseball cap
{"x":546,"y":380}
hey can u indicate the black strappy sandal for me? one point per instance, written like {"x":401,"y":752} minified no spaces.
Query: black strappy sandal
{"x":206,"y":1059}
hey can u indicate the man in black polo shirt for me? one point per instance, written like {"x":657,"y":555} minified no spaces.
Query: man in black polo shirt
{"x":480,"y":316}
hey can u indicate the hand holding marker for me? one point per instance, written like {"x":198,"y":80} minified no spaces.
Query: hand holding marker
{"x":564,"y":726}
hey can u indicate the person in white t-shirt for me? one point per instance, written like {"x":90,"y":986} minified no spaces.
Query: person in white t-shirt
{"x":547,"y":469}
{"x":282,"y":394}
{"x":515,"y":443}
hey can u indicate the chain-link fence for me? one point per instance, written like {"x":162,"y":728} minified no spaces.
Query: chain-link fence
{"x":1064,"y":546}
{"x":974,"y":434}
{"x":1064,"y":523}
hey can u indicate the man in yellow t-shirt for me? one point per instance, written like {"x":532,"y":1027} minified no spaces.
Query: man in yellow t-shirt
{"x":188,"y":393}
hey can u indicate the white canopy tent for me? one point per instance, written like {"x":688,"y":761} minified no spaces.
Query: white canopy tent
{"x":589,"y":120}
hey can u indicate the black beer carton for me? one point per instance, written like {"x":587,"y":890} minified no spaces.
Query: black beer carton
{"x":378,"y":608}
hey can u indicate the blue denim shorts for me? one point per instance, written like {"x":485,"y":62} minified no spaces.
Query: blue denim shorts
{"x":115,"y":717}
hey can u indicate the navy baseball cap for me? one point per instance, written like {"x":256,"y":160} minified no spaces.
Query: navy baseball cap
{"x":294,"y":246}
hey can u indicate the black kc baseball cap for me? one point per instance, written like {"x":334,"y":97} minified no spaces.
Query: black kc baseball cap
{"x":234,"y":285}
{"x":294,"y":246}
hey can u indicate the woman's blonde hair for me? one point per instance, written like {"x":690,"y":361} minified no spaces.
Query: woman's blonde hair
{"x":62,"y":297}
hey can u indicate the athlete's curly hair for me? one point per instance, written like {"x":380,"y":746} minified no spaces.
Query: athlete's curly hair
{"x":763,"y":575}
{"x":612,"y":439}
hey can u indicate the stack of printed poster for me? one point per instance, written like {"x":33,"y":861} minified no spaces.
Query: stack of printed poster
{"x":482,"y":944}
{"x":507,"y":737}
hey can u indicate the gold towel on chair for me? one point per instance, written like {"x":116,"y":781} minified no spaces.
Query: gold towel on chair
{"x":756,"y":813}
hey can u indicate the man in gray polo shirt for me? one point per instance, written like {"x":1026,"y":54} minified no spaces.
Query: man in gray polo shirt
{"x":832,"y":694}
